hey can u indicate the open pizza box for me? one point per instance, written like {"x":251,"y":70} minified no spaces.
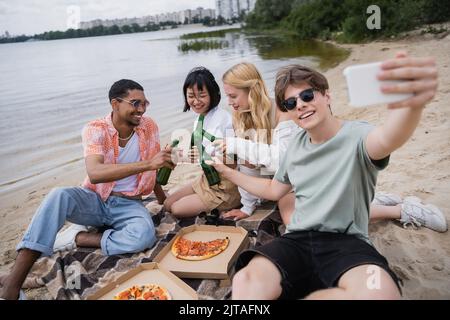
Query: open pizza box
{"x":217,"y":267}
{"x":147,"y":273}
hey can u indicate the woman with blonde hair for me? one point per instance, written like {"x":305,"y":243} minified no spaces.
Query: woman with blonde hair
{"x":256,"y":111}
{"x":257,"y":122}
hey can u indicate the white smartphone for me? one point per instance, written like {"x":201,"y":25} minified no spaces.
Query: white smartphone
{"x":364,"y":89}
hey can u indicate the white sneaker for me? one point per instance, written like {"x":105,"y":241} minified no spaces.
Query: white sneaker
{"x":417,"y":214}
{"x":386,"y":199}
{"x":65,"y":240}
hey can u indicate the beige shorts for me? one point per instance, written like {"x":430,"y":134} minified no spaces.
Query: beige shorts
{"x":222,"y":196}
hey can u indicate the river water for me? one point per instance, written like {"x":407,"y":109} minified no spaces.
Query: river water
{"x":49,"y":90}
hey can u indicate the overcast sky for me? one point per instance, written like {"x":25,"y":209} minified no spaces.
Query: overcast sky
{"x":36,"y":16}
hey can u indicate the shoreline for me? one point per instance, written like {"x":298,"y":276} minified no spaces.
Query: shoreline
{"x":31,"y":38}
{"x":420,"y":168}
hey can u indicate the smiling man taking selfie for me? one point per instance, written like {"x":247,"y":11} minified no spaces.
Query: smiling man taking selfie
{"x":332,"y":167}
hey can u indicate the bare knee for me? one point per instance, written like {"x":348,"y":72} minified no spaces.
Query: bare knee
{"x":249,"y":284}
{"x":168,"y":203}
{"x":386,"y":290}
{"x":242,"y":277}
{"x":373,"y":283}
{"x":242,"y":280}
{"x":176,"y":209}
{"x":378,"y":294}
{"x":260,"y":280}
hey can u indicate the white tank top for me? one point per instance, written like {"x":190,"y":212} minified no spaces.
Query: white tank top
{"x":129,"y":154}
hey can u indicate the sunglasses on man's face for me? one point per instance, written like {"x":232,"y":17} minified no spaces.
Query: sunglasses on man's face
{"x":136,"y":103}
{"x":306,"y":96}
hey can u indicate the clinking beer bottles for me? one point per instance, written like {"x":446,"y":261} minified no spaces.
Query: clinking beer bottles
{"x":197,"y":140}
{"x":164,"y":173}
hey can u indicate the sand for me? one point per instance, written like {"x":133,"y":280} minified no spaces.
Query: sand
{"x":420,"y":168}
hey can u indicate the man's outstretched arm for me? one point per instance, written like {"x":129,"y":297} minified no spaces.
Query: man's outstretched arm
{"x":263,"y":188}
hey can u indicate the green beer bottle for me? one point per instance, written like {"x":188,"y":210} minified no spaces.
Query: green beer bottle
{"x":211,"y":174}
{"x":208,"y":136}
{"x":164,"y":173}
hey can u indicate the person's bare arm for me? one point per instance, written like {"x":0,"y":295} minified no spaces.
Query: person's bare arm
{"x":263,"y":188}
{"x":159,"y":193}
{"x":404,"y":116}
{"x":99,"y":172}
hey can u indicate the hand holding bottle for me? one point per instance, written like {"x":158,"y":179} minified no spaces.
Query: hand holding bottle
{"x":220,"y":147}
{"x":217,"y":164}
{"x":193,"y":155}
{"x":162,"y":159}
{"x":164,"y":173}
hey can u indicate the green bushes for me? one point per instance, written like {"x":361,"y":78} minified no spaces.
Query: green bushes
{"x":434,"y":11}
{"x":315,"y":19}
{"x":209,"y":34}
{"x":346,"y":20}
{"x":201,"y":45}
{"x":268,"y":13}
{"x":396,"y":17}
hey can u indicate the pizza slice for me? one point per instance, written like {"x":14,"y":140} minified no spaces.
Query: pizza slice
{"x":198,"y":250}
{"x":144,"y":292}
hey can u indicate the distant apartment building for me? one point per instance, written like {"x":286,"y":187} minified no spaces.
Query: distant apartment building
{"x":178,"y":17}
{"x":110,"y":23}
{"x":229,"y":9}
{"x":168,"y":17}
{"x":191,"y":14}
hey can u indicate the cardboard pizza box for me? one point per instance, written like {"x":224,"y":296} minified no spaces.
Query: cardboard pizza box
{"x":147,"y":273}
{"x":217,"y":267}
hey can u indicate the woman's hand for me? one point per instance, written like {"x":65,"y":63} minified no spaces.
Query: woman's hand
{"x":220,"y":146}
{"x":193,"y":155}
{"x":218,"y":165}
{"x":235,"y":215}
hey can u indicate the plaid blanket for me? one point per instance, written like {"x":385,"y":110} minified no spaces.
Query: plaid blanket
{"x":80,"y":273}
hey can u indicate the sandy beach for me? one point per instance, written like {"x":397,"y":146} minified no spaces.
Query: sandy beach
{"x":420,"y":168}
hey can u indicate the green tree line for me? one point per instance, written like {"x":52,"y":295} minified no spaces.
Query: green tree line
{"x":345,"y":19}
{"x":91,"y":32}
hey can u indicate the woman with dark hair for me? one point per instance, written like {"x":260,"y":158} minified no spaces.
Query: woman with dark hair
{"x":202,"y":95}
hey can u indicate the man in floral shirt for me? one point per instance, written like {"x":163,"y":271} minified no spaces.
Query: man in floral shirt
{"x":122,"y":153}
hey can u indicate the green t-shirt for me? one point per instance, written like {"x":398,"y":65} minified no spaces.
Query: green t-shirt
{"x":334,"y":182}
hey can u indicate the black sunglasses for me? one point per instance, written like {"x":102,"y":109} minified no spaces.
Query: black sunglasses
{"x":306,"y":96}
{"x":136,"y":103}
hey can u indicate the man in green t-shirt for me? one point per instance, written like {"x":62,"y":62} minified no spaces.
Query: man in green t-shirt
{"x":332,"y":168}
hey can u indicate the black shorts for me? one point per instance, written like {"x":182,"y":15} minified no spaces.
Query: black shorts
{"x":312,"y":260}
